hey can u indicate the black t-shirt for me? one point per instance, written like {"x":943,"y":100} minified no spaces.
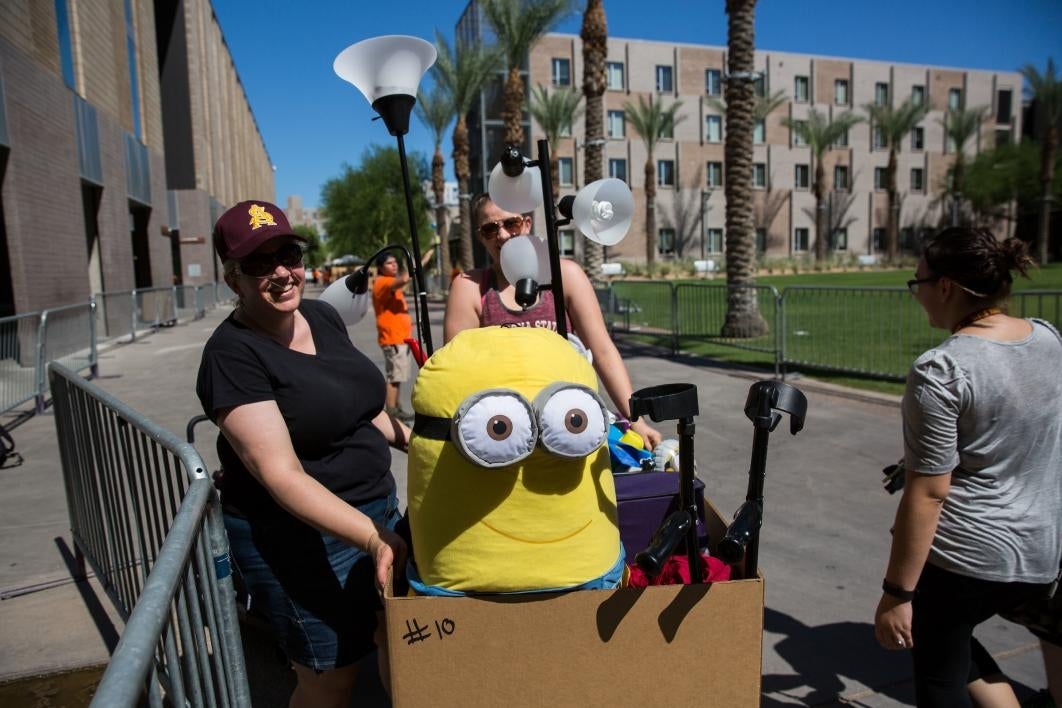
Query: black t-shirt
{"x":328,"y":401}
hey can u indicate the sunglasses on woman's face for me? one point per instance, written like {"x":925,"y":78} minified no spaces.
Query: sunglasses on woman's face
{"x":491,"y":229}
{"x":258,"y":265}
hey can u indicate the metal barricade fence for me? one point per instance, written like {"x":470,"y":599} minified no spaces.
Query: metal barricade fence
{"x":205,"y":297}
{"x":703,"y":312}
{"x":144,"y":515}
{"x":18,"y":359}
{"x":184,"y":302}
{"x":1045,"y":304}
{"x":67,"y":335}
{"x":115,"y":315}
{"x":647,"y":308}
{"x":155,"y":307}
{"x":223,"y":293}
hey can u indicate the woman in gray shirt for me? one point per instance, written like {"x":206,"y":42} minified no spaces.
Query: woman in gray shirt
{"x":979,"y":528}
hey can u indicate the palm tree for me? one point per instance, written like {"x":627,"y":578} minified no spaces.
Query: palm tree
{"x":743,"y":317}
{"x":894,"y":124}
{"x":462,"y":72}
{"x":652,"y":122}
{"x":518,"y":25}
{"x":594,"y":34}
{"x":436,"y":111}
{"x":819,"y":133}
{"x":1045,"y":90}
{"x":763,"y":106}
{"x":555,"y":112}
{"x":960,"y":124}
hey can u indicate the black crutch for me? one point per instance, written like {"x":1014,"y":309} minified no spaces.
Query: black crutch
{"x":766,"y":398}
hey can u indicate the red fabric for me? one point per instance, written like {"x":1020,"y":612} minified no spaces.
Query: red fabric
{"x":677,"y":571}
{"x":418,"y":353}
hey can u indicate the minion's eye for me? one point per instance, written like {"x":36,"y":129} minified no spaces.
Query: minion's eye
{"x":572,"y":421}
{"x":495,"y":428}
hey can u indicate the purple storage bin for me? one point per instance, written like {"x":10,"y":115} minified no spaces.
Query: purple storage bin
{"x":644,"y":500}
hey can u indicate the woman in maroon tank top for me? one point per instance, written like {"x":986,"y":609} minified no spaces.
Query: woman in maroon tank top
{"x":483,"y":297}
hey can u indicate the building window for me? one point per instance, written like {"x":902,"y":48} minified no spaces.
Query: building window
{"x":566,"y":241}
{"x":881,"y":94}
{"x":918,"y":95}
{"x":1002,"y":137}
{"x":617,"y":168}
{"x":799,"y":126}
{"x":918,"y":180}
{"x":840,"y":239}
{"x":877,"y":239}
{"x":918,"y":138}
{"x":614,"y":69}
{"x":715,"y":174}
{"x":761,"y":240}
{"x":949,"y":144}
{"x":134,"y":84}
{"x":800,"y":89}
{"x":566,"y":130}
{"x":800,"y":239}
{"x":713,"y":82}
{"x":714,"y":242}
{"x":564,"y":171}
{"x":667,"y":132}
{"x":759,"y":85}
{"x":759,"y":131}
{"x":66,"y":51}
{"x":713,"y":129}
{"x":665,"y":173}
{"x":880,"y":179}
{"x":665,"y":242}
{"x":840,"y":178}
{"x":616,"y":125}
{"x":759,"y":175}
{"x":562,"y":72}
{"x":841,"y":141}
{"x":877,"y":138}
{"x":663,"y":79}
{"x":800,"y":177}
{"x":1003,"y":106}
{"x":954,"y":99}
{"x":840,"y":92}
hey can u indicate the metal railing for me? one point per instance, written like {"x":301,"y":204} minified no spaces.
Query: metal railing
{"x":146,"y":519}
{"x":71,"y":334}
{"x":872,"y":332}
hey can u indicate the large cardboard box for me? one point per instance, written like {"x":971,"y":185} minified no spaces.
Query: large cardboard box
{"x":673,"y":645}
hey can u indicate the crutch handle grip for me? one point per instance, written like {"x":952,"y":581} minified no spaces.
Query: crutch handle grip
{"x":664,"y":542}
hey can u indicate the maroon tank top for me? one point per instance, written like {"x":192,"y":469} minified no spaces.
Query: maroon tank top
{"x":493,"y":311}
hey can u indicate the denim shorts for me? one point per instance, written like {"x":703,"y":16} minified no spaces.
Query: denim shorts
{"x":317,"y":592}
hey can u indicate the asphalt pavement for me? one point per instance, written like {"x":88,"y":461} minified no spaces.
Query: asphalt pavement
{"x":823,"y":549}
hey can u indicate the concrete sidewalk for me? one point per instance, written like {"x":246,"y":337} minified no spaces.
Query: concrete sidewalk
{"x":824,"y":543}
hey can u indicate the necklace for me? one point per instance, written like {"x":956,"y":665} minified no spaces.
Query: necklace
{"x":974,"y":317}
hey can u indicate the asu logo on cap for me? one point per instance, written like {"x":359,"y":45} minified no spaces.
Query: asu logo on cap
{"x":260,"y":217}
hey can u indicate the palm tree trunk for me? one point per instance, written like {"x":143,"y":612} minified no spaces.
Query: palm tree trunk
{"x":892,"y":218}
{"x":438,"y":188}
{"x":463,"y":174}
{"x":742,"y":313}
{"x":650,"y":212}
{"x":1047,"y":177}
{"x":594,"y":34}
{"x":821,"y":227}
{"x":513,"y":108}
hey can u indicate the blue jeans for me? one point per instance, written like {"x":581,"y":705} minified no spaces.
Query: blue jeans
{"x":317,"y":592}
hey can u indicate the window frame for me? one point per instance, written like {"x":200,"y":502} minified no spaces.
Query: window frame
{"x":921,"y":142}
{"x":561,"y":162}
{"x":668,"y":72}
{"x":716,"y":167}
{"x":761,"y":168}
{"x":847,"y":178}
{"x":921,"y":93}
{"x":796,"y":239}
{"x":882,"y":184}
{"x":957,"y":103}
{"x":801,"y":81}
{"x":879,"y":88}
{"x":618,"y":161}
{"x":806,"y":168}
{"x":713,"y":235}
{"x":921,"y":188}
{"x":708,"y":120}
{"x":661,"y":241}
{"x":622,"y":116}
{"x":609,"y":66}
{"x":555,"y":63}
{"x":838,"y":83}
{"x":718,"y":74}
{"x":665,"y":167}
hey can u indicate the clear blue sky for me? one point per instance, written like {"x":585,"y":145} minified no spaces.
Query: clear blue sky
{"x":313,"y":122}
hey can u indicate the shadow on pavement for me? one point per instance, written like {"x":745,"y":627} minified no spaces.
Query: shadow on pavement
{"x":108,"y":632}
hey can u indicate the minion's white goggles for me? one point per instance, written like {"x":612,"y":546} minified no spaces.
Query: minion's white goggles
{"x":499,"y":427}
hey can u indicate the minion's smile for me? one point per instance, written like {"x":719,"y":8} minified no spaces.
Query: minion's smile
{"x":522,"y":539}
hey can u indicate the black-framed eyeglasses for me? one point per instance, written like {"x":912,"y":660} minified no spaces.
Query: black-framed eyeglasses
{"x":913,"y":283}
{"x":258,"y":265}
{"x":491,"y":229}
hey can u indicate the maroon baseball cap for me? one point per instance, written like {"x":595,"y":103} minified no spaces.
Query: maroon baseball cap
{"x":246,"y":226}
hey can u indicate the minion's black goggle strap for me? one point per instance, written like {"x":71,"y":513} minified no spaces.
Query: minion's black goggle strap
{"x":499,"y":427}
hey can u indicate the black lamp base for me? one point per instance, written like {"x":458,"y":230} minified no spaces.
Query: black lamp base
{"x":395,"y":110}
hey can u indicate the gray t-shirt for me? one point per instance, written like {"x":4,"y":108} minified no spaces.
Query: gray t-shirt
{"x":991,"y":413}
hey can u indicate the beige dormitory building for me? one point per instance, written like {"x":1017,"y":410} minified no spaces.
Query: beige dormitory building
{"x":689,"y":167}
{"x":121,"y":121}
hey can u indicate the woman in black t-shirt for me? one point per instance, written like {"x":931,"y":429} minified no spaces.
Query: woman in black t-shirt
{"x":307,"y":490}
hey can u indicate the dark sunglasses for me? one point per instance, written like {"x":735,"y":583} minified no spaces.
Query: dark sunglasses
{"x":491,"y":229}
{"x":913,"y":283}
{"x":258,"y":265}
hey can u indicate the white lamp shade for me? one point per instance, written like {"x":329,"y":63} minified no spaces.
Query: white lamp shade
{"x":602,"y":211}
{"x":385,"y":66}
{"x":516,"y":194}
{"x":545,"y":275}
{"x":351,"y":307}
{"x":519,"y":259}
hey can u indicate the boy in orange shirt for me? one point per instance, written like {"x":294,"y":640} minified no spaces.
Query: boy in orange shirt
{"x":393,"y":327}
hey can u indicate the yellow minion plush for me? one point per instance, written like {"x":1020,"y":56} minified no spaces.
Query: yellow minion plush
{"x":510,"y":488}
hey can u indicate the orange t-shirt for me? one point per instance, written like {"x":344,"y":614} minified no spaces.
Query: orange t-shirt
{"x":393,"y":325}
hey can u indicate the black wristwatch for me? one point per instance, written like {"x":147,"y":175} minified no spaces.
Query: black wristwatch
{"x":897,"y":592}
